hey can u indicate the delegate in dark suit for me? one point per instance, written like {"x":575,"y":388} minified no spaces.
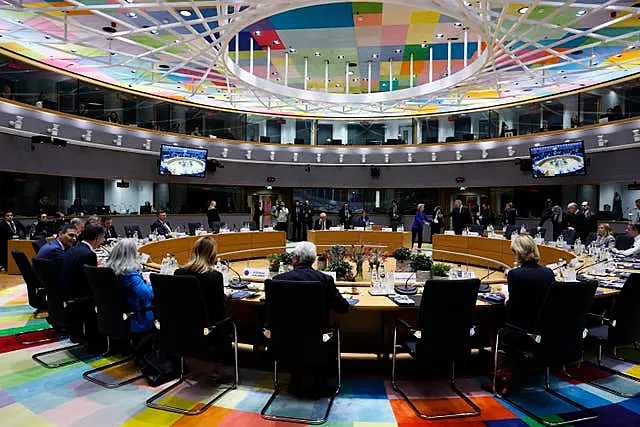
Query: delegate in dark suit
{"x":53,"y":251}
{"x":110,"y":233}
{"x":585,"y":224}
{"x":345,"y":216}
{"x":460,"y":218}
{"x":163,"y":228}
{"x":74,"y":283}
{"x":321,"y":224}
{"x":509,"y":217}
{"x":8,"y":229}
{"x":528,"y":286}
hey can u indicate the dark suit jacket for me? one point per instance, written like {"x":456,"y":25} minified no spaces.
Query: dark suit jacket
{"x":162,"y":230}
{"x":334,"y":301}
{"x":342,"y":214}
{"x":460,"y":220}
{"x":307,"y":216}
{"x":528,"y":287}
{"x":297,"y":214}
{"x":74,"y":282}
{"x":110,"y":233}
{"x":509,"y":217}
{"x":317,"y":225}
{"x":53,"y":251}
{"x":585,"y":225}
{"x":213,"y":292}
{"x":7,"y":234}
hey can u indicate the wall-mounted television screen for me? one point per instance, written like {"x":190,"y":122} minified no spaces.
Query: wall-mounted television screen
{"x":183,"y":161}
{"x":558,"y":159}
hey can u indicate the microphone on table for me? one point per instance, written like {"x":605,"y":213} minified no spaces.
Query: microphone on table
{"x":406,"y":289}
{"x":485,"y":287}
{"x":235,"y":283}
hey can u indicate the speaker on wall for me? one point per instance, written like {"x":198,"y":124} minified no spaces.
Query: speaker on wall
{"x":375,"y":172}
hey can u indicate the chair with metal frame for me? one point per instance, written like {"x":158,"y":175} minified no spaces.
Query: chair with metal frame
{"x":113,"y":319}
{"x":35,"y":293}
{"x":38,"y":244}
{"x":62,"y":312}
{"x":621,"y":328}
{"x":555,"y":340}
{"x":299,"y":332}
{"x":185,"y":329}
{"x":443,"y":334}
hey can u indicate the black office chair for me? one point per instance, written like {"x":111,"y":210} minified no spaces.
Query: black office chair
{"x":621,"y":328}
{"x":299,"y":334}
{"x":450,"y":139}
{"x":556,"y":340}
{"x":192,"y":227}
{"x":113,"y":319}
{"x":184,"y":329}
{"x":38,"y":244}
{"x":569,"y":236}
{"x":623,"y":242}
{"x":36,"y":294}
{"x":132,"y":231}
{"x":443,"y":334}
{"x":217,"y":226}
{"x":510,"y":230}
{"x":475,"y":228}
{"x":62,"y":314}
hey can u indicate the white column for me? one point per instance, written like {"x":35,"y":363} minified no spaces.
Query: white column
{"x":326,"y":76}
{"x":286,"y":69}
{"x":369,"y":77}
{"x":306,"y":71}
{"x":449,"y":58}
{"x":250,"y":55}
{"x":346,"y":77}
{"x":466,"y":41}
{"x":430,"y":64}
{"x":390,"y":76}
{"x":268,"y":63}
{"x":411,"y":71}
{"x":237,"y":50}
{"x":479,"y":46}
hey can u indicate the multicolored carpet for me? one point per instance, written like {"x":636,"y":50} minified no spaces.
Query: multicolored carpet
{"x":32,"y":396}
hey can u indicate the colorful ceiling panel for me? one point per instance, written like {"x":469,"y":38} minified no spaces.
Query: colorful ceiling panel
{"x":332,"y":59}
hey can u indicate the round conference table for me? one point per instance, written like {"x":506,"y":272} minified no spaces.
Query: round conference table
{"x":368,"y":325}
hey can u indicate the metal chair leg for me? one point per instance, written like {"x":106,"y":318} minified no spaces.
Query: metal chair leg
{"x":151,"y":402}
{"x":452,"y":384}
{"x":38,"y":357}
{"x":635,"y":348}
{"x":88,"y":375}
{"x":23,"y":342}
{"x":590,"y":413}
{"x":276,"y":392}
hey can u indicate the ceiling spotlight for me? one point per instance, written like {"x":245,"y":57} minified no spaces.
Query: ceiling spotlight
{"x":318,"y":157}
{"x":374,"y":56}
{"x":17,"y":123}
{"x":276,"y":42}
{"x":295,"y":157}
{"x":20,"y":21}
{"x":247,"y":155}
{"x":340,"y":56}
{"x":386,"y":158}
{"x":133,"y":71}
{"x":47,"y":36}
{"x":338,"y":85}
{"x":277,"y":79}
{"x":176,"y":41}
{"x":132,"y":15}
{"x":485,"y":154}
{"x":54,"y":129}
{"x":118,"y":141}
{"x":457,"y":24}
{"x":398,"y":50}
{"x":146,"y":144}
{"x":340,"y":158}
{"x":257,"y":33}
{"x":225,"y":153}
{"x":112,"y":53}
{"x":185,"y":13}
{"x":272,"y":155}
{"x":154,"y":31}
{"x":423,"y":45}
{"x":631,"y":47}
{"x":434,"y":157}
{"x":581,"y":12}
{"x":364,"y":158}
{"x":439,"y":36}
{"x":510,"y":151}
{"x":409,"y":157}
{"x":523,"y":10}
{"x":350,"y":73}
{"x":73,"y":50}
{"x":618,"y":56}
{"x":467,"y":3}
{"x":292,"y":50}
{"x":601,"y":141}
{"x":86,"y":136}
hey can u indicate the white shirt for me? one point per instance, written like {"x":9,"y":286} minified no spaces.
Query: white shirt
{"x":633,"y":250}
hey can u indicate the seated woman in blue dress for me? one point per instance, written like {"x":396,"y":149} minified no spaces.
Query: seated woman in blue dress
{"x":138,"y":293}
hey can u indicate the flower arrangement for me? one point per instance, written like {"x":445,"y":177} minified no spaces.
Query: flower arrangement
{"x":421,"y":262}
{"x":377,"y":257}
{"x":274,"y":262}
{"x":337,"y":252}
{"x":286,"y":258}
{"x":341,"y":267}
{"x":359,"y":254}
{"x":402,"y":254}
{"x":440,"y":269}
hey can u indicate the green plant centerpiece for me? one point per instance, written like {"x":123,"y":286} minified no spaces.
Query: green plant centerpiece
{"x":337,"y":252}
{"x":439,"y":269}
{"x":421,"y":264}
{"x":358,"y":254}
{"x":286,"y":258}
{"x":274,"y":263}
{"x":402,"y":257}
{"x":342,"y":268}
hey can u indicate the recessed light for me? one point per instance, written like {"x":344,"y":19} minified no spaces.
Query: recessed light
{"x":618,"y":56}
{"x":154,"y":31}
{"x":457,"y":24}
{"x":73,"y":50}
{"x":133,"y":71}
{"x":109,"y":29}
{"x":276,"y":42}
{"x":595,"y":63}
{"x":398,"y":50}
{"x":20,"y":21}
{"x":47,"y":36}
{"x":562,"y":71}
{"x":355,"y":80}
{"x":632,"y":47}
{"x":581,"y":12}
{"x":350,"y":73}
{"x":163,"y":66}
{"x":292,"y":50}
{"x":277,"y":79}
{"x":257,"y":32}
{"x":176,"y":41}
{"x":274,"y":73}
{"x":185,"y":13}
{"x":316,"y":53}
{"x":112,"y":53}
{"x":132,"y":15}
{"x":340,"y":56}
{"x":593,"y":55}
{"x":564,"y":77}
{"x":338,"y":85}
{"x":374,"y":56}
{"x":523,"y":10}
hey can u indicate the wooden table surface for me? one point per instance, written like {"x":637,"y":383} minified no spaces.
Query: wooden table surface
{"x":390,"y":240}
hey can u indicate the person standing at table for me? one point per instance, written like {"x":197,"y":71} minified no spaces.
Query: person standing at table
{"x":509,"y":215}
{"x":438,"y":220}
{"x":258,"y":213}
{"x":212,"y":214}
{"x":322,"y":223}
{"x":9,"y":230}
{"x":460,"y":217}
{"x":485,"y":216}
{"x":282,"y":216}
{"x":417,"y":227}
{"x":297,"y":220}
{"x":161,"y":225}
{"x":307,"y":219}
{"x":345,"y":215}
{"x":586,"y":222}
{"x":395,"y":216}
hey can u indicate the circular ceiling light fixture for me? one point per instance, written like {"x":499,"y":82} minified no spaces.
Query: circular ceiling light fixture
{"x":523,"y":10}
{"x":110,"y":30}
{"x":340,"y":56}
{"x":154,"y":31}
{"x":439,"y":36}
{"x":132,"y":15}
{"x":316,"y":53}
{"x":185,"y":13}
{"x":581,"y":12}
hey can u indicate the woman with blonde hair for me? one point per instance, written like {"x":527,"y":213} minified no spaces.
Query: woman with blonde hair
{"x":418,"y":225}
{"x":212,"y":214}
{"x":605,"y":239}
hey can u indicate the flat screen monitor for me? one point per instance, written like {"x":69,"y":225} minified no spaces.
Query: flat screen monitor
{"x":183,"y":161}
{"x":558,"y":160}
{"x":265,"y":139}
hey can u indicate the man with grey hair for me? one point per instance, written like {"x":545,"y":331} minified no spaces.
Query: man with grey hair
{"x":570,"y":220}
{"x":304,"y":255}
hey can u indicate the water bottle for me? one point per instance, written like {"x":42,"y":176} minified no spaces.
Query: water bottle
{"x":459,"y":271}
{"x":219,"y":266}
{"x":374,"y":279}
{"x":163,"y":265}
{"x":383,"y":276}
{"x":173,"y":266}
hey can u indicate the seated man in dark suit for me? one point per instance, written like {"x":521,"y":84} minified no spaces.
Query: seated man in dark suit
{"x":161,"y":226}
{"x":109,"y":229}
{"x":304,"y":255}
{"x":9,"y":230}
{"x":322,"y":223}
{"x":75,"y":285}
{"x":56,"y":249}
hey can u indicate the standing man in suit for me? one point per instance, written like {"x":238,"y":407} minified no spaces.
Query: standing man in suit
{"x":161,"y":225}
{"x":297,"y":219}
{"x":307,"y":219}
{"x":75,"y":285}
{"x":9,"y":230}
{"x":304,"y":255}
{"x":570,"y":217}
{"x":322,"y":223}
{"x":56,"y":249}
{"x":509,"y":215}
{"x":586,"y":222}
{"x":345,"y":215}
{"x":460,"y":217}
{"x":395,"y":216}
{"x":258,"y":212}
{"x":109,"y":229}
